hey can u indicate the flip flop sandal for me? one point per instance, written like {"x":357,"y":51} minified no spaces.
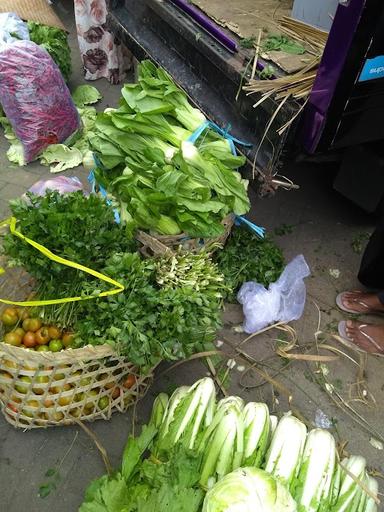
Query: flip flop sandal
{"x":340,"y":305}
{"x":342,"y":328}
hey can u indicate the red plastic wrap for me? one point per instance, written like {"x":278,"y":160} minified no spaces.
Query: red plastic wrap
{"x":35,"y":98}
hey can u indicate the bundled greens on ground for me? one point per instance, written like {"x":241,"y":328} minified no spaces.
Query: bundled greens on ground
{"x":202,"y":455}
{"x":246,"y":257}
{"x":77,"y":227}
{"x":62,"y":156}
{"x":55,"y":41}
{"x":160,"y":180}
{"x":170,"y":309}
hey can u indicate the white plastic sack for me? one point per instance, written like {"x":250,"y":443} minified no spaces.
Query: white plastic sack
{"x":283,"y":301}
{"x":10,"y":26}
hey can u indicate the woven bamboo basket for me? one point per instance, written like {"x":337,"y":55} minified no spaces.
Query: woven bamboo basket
{"x":42,"y":389}
{"x":155,"y":245}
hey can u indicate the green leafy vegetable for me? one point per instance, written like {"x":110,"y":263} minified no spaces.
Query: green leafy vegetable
{"x":246,"y":257}
{"x":285,"y":452}
{"x":63,"y":224}
{"x":162,"y":182}
{"x":55,"y":41}
{"x":85,"y":95}
{"x":154,"y":319}
{"x":283,"y":44}
{"x":248,"y":489}
{"x":63,"y":156}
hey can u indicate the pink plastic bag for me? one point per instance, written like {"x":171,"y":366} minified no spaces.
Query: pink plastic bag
{"x":63,"y":184}
{"x":35,"y":98}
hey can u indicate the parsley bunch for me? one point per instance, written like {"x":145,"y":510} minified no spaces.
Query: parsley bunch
{"x":76,"y":227}
{"x":246,"y":257}
{"x":149,"y":322}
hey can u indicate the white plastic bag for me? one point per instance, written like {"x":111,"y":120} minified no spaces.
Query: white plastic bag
{"x":283,"y":301}
{"x":12,"y":28}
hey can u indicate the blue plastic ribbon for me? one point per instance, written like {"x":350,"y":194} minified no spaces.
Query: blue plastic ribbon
{"x":259,"y":231}
{"x":223,"y":132}
{"x":103,"y":192}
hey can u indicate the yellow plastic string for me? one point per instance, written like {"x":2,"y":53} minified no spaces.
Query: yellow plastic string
{"x":11,"y":222}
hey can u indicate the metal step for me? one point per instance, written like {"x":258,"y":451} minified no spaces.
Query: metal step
{"x":210,"y":74}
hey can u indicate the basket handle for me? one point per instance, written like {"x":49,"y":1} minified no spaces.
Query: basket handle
{"x":118,"y":287}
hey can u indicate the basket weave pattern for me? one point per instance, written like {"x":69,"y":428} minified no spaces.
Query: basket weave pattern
{"x":155,"y":245}
{"x":41,"y":389}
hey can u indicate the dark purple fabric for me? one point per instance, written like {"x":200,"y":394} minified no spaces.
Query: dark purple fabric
{"x":207,"y":24}
{"x":336,"y":50}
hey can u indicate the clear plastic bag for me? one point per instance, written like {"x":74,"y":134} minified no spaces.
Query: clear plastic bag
{"x":35,"y":98}
{"x":283,"y":301}
{"x":62,"y":184}
{"x":12,"y":28}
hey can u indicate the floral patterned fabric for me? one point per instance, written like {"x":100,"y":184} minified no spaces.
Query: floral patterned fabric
{"x":102,"y":53}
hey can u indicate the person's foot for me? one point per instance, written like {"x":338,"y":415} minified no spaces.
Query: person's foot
{"x":367,"y":337}
{"x":361,"y":303}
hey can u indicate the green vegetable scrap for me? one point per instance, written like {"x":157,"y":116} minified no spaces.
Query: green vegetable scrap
{"x":15,"y":153}
{"x":55,"y":41}
{"x":73,"y":153}
{"x":208,"y":456}
{"x":246,"y":257}
{"x":284,"y":44}
{"x":162,"y":182}
{"x":85,"y":95}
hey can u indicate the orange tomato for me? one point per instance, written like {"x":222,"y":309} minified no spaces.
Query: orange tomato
{"x":29,"y":339}
{"x":54,"y":332}
{"x":129,"y":381}
{"x":42,"y":336}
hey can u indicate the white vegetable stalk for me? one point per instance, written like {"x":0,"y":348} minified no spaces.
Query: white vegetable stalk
{"x":174,"y":401}
{"x":158,"y":410}
{"x":373,"y":486}
{"x":190,"y":417}
{"x":222,"y":443}
{"x":286,"y":449}
{"x":350,"y":492}
{"x":274,"y":422}
{"x":257,"y":425}
{"x":312,"y":488}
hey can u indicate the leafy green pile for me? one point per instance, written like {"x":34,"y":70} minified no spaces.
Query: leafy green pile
{"x":156,"y":317}
{"x":246,"y":257}
{"x":146,"y":485}
{"x":62,"y":156}
{"x":161,"y":181}
{"x":55,"y":41}
{"x":76,"y":227}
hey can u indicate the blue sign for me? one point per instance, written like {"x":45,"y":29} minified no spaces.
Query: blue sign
{"x":373,"y":68}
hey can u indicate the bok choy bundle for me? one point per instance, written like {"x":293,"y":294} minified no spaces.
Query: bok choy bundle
{"x":160,"y":180}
